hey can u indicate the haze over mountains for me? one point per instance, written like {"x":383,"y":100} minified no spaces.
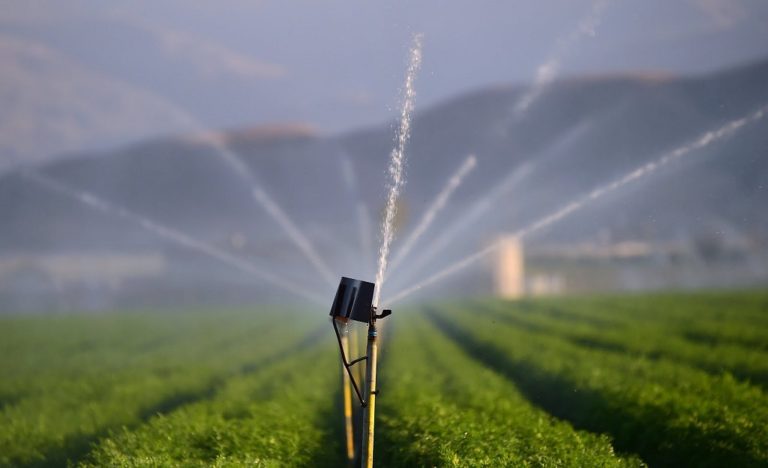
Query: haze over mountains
{"x":53,"y":105}
{"x":87,"y":74}
{"x":583,"y":132}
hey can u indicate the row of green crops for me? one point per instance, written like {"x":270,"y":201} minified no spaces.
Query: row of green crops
{"x":67,"y":381}
{"x":440,"y":408}
{"x":653,"y":339}
{"x":665,"y":410}
{"x":667,"y":380}
{"x":736,"y":318}
{"x":283,"y":415}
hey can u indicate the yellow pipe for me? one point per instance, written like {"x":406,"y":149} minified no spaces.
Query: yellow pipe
{"x":347,"y":393}
{"x":369,"y":413}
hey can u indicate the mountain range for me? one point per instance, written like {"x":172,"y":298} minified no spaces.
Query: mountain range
{"x":581,"y":133}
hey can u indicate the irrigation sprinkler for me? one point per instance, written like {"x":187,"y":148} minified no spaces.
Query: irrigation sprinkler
{"x":354,"y":301}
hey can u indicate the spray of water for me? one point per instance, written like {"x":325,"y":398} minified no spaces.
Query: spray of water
{"x":216,"y":142}
{"x":434,"y":209}
{"x":490,"y":199}
{"x":397,"y":165}
{"x":704,"y":140}
{"x":179,"y":238}
{"x":547,"y":71}
{"x":476,"y":211}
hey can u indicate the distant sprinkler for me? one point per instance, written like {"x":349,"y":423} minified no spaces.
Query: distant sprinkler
{"x":354,"y":301}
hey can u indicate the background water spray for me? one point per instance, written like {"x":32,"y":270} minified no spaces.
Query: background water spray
{"x":216,"y":142}
{"x":434,"y":209}
{"x":488,"y":200}
{"x":704,"y":140}
{"x":397,"y":165}
{"x":168,"y":233}
{"x":464,"y":222}
{"x":547,"y":71}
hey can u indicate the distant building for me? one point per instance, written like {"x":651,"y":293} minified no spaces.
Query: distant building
{"x":513,"y":281}
{"x":583,"y":268}
{"x":545,"y":284}
{"x":75,"y":281}
{"x":63,"y":270}
{"x":509,"y":275}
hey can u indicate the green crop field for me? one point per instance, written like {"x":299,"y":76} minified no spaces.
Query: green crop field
{"x":656,"y":380}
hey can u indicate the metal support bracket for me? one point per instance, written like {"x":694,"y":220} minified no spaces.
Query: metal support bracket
{"x":349,"y":364}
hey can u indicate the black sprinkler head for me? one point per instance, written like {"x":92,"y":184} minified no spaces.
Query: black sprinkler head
{"x":354,"y":300}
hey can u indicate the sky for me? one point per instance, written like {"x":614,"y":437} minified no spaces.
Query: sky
{"x":84,"y":74}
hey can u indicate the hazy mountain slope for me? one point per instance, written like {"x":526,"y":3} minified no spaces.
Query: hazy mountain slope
{"x":580,"y":134}
{"x":78,"y":109}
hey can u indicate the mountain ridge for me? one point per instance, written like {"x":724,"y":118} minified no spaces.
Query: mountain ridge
{"x":578,"y":135}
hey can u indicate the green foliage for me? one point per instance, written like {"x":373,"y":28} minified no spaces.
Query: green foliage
{"x":667,"y":411}
{"x":281,"y":416}
{"x":666,"y":379}
{"x":68,"y":380}
{"x":439,"y":408}
{"x":654,"y":337}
